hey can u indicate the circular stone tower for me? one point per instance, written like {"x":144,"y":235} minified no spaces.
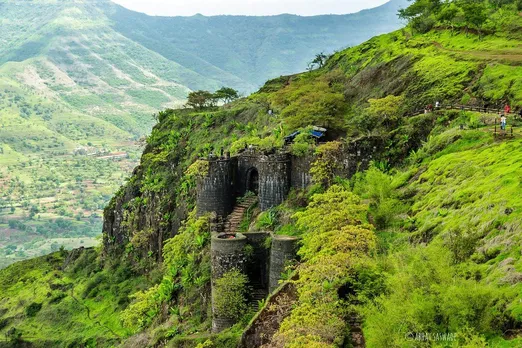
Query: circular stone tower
{"x":215,"y":193}
{"x":227,"y":254}
{"x":274,"y":180}
{"x":284,"y":249}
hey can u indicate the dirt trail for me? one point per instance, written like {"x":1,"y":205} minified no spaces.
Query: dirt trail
{"x":514,"y":58}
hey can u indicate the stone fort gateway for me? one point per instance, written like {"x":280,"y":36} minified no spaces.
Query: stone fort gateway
{"x":262,"y":256}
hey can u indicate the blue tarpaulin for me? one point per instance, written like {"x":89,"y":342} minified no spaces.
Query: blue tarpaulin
{"x":317,"y":134}
{"x":291,"y":137}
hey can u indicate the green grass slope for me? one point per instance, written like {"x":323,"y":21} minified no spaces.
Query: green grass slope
{"x":50,"y":305}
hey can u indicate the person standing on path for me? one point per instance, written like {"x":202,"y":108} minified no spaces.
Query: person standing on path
{"x":507,"y":109}
{"x":503,"y":122}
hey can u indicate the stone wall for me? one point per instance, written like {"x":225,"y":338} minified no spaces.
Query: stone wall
{"x":215,"y":191}
{"x":358,"y":154}
{"x":274,"y":180}
{"x":246,"y":161}
{"x":300,"y":171}
{"x":284,"y":249}
{"x":226,"y":255}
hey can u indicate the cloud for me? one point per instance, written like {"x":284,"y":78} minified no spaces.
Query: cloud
{"x":247,"y":7}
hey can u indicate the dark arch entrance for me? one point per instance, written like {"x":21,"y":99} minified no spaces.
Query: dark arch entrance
{"x":252,"y":180}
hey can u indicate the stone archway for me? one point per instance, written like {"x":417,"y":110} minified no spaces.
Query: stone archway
{"x":252,"y":180}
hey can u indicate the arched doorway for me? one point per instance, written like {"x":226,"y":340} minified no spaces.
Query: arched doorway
{"x":252,"y":183}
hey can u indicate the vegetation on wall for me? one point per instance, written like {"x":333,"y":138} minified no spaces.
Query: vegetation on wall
{"x":231,"y":295}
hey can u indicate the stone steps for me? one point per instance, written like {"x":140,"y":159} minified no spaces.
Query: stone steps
{"x":256,"y":296}
{"x":233,"y":220}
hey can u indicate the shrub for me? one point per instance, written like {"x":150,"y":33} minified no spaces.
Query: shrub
{"x":33,"y":309}
{"x":267,"y":220}
{"x":303,"y":144}
{"x":142,"y":310}
{"x":230,"y":295}
{"x":426,"y":294}
{"x":327,"y":165}
{"x":335,"y":242}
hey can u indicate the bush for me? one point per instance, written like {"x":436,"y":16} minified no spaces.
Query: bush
{"x":327,"y":165}
{"x":426,"y":294}
{"x":267,"y":220}
{"x":303,"y":144}
{"x":230,"y":294}
{"x":336,"y":241}
{"x":386,"y":212}
{"x":142,"y":310}
{"x":33,"y":309}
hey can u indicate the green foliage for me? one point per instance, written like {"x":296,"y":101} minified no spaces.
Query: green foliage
{"x":142,"y":310}
{"x":427,"y":295}
{"x":423,"y":15}
{"x":267,"y":220}
{"x":41,"y":291}
{"x":33,"y":309}
{"x":385,"y":112}
{"x":305,"y":105}
{"x":333,"y":244}
{"x":230,"y":294}
{"x":449,"y":199}
{"x":226,"y":94}
{"x":200,"y":100}
{"x":455,"y":281}
{"x":378,"y":187}
{"x":326,"y":166}
{"x":302,"y":145}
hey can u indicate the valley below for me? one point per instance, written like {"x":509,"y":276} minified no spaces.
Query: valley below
{"x":82,"y":81}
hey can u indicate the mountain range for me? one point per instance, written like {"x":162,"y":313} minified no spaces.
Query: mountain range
{"x":80,"y":81}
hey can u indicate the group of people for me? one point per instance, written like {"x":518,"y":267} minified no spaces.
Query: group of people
{"x":503,"y":118}
{"x":501,"y":114}
{"x":429,"y":108}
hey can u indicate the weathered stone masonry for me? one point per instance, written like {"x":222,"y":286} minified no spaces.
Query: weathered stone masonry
{"x":270,"y":177}
{"x":283,"y":250}
{"x":263,"y":267}
{"x":215,"y":191}
{"x":233,"y":177}
{"x":227,"y":255}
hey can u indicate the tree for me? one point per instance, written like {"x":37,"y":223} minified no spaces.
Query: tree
{"x":448,"y":14}
{"x":385,"y":111}
{"x":419,"y":14}
{"x":474,"y":13}
{"x":318,"y":61}
{"x":200,"y":99}
{"x":226,"y":94}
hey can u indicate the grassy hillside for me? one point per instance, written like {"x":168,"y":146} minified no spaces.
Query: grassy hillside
{"x":421,"y":250}
{"x":80,"y":81}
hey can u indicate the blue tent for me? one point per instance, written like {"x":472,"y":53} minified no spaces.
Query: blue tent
{"x":291,"y":137}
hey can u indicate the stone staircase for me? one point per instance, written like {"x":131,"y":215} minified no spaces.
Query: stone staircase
{"x":232,"y":224}
{"x":257,"y":294}
{"x":234,"y":219}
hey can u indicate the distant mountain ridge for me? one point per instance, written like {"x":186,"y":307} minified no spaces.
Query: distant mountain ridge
{"x":82,"y":76}
{"x":109,"y":52}
{"x":243,"y":51}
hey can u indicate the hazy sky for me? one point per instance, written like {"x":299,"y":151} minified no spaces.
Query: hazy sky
{"x":247,"y":7}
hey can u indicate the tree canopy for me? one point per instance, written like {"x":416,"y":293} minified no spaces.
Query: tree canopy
{"x":205,"y":99}
{"x":423,"y":15}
